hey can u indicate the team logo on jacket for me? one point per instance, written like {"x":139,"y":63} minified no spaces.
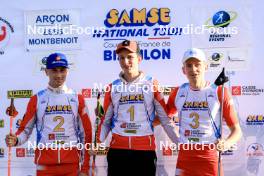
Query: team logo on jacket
{"x":132,"y":98}
{"x":195,"y":105}
{"x":64,"y":109}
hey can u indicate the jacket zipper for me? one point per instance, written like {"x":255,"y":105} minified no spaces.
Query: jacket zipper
{"x":150,"y":141}
{"x":129,"y":142}
{"x":59,"y":156}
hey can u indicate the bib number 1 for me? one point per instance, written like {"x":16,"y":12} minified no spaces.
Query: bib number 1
{"x":131,"y":111}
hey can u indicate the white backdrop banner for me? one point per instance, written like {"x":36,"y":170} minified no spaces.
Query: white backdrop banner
{"x":88,"y":32}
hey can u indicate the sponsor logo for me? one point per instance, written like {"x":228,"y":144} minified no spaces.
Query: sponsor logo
{"x":255,"y":149}
{"x":166,"y":151}
{"x":193,"y":139}
{"x":87,"y":93}
{"x":133,"y":98}
{"x":136,"y":17}
{"x":187,"y":133}
{"x":2,"y":123}
{"x":236,"y":90}
{"x":51,"y":136}
{"x":151,"y":25}
{"x":5,"y":30}
{"x":215,"y":59}
{"x":25,"y":152}
{"x":92,"y":92}
{"x":58,"y":108}
{"x":169,"y":151}
{"x":255,"y":120}
{"x":42,"y":63}
{"x":130,"y":127}
{"x":235,"y":59}
{"x":195,"y":105}
{"x":52,"y":29}
{"x":247,"y":90}
{"x":20,"y":152}
{"x":19,"y":93}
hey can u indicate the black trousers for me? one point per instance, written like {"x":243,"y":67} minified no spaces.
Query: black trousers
{"x":133,"y":162}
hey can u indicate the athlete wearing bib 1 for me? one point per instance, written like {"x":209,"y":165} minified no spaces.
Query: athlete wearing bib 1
{"x":130,"y":105}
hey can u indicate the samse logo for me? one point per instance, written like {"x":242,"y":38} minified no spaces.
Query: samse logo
{"x":137,"y":17}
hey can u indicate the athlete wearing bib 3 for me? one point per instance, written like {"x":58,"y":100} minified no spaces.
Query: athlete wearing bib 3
{"x":62,"y":122}
{"x":197,"y":105}
{"x":130,"y":105}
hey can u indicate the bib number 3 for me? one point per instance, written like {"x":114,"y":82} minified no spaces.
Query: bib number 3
{"x":195,"y":122}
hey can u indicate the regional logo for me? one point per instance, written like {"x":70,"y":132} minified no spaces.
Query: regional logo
{"x":221,"y":19}
{"x":218,"y":25}
{"x":215,"y":59}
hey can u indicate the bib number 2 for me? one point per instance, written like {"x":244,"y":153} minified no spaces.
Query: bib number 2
{"x":58,"y":128}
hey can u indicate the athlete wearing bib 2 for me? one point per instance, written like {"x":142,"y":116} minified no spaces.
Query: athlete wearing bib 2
{"x":62,"y":124}
{"x":197,"y":105}
{"x":130,"y":105}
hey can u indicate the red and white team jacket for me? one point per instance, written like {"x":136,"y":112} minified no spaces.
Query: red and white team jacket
{"x":61,"y":117}
{"x":129,"y":112}
{"x":199,"y":112}
{"x":199,"y":115}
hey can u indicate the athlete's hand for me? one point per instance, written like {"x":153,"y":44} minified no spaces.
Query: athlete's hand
{"x":83,"y":174}
{"x":11,"y":140}
{"x":156,"y":121}
{"x":222,"y":145}
{"x":92,"y":152}
{"x":96,"y":111}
